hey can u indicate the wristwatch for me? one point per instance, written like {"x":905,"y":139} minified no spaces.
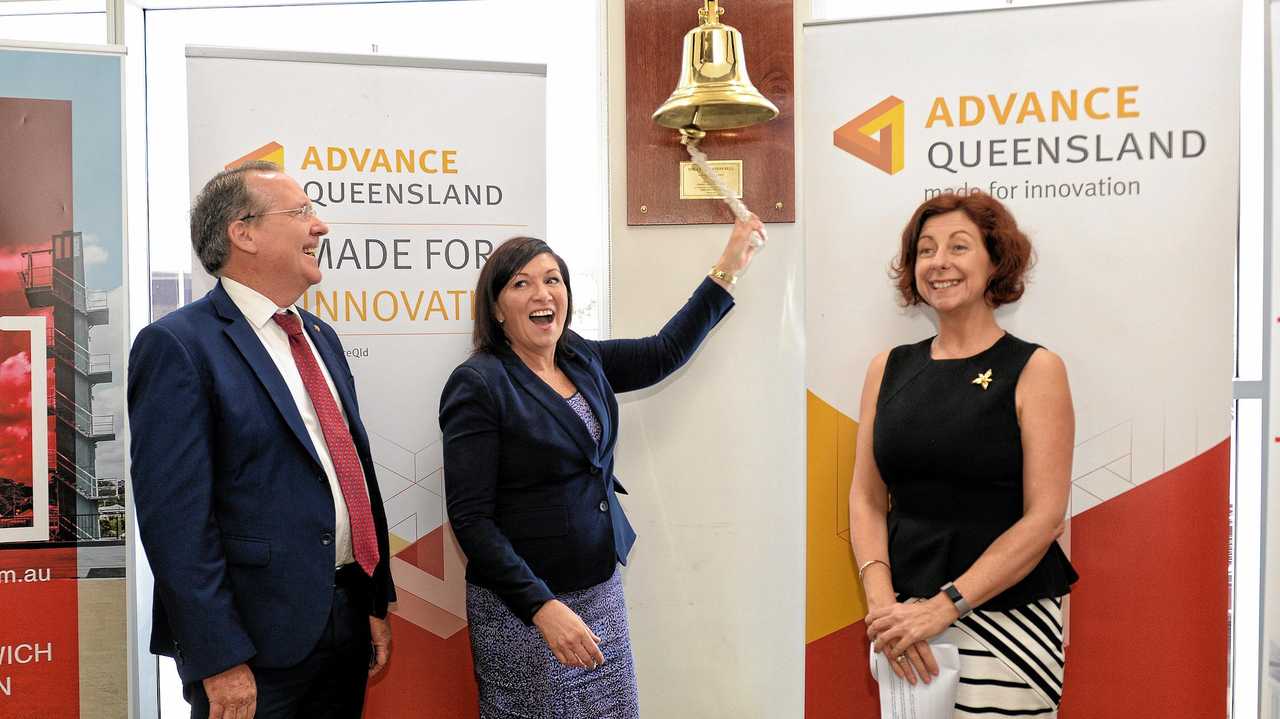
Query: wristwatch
{"x":962,"y":604}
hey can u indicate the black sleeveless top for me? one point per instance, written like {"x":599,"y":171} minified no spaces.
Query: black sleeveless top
{"x":949,"y":448}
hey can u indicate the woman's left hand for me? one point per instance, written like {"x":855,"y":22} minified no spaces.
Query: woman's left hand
{"x":894,"y":628}
{"x":739,"y":251}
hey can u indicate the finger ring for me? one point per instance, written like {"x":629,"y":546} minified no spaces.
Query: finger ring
{"x":902,"y":658}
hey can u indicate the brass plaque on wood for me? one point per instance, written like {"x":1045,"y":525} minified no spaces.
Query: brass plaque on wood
{"x":696,"y":186}
{"x":654,"y":34}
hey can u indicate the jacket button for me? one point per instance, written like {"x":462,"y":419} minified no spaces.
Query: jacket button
{"x":326,"y":539}
{"x":595,"y":471}
{"x":604,"y":506}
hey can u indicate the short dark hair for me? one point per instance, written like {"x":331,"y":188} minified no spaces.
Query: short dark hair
{"x":225,"y":198}
{"x":1008,"y":246}
{"x":505,"y":262}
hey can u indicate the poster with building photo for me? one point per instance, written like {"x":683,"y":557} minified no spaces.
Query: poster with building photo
{"x":63,"y":644}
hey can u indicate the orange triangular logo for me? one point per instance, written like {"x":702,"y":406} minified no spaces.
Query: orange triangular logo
{"x":271,"y":152}
{"x":858,"y":137}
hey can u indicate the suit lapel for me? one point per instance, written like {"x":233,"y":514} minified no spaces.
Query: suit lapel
{"x":246,"y":340}
{"x":553,"y":403}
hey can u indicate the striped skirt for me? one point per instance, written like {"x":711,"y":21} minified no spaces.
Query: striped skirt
{"x":519,"y":677}
{"x":1011,"y":662}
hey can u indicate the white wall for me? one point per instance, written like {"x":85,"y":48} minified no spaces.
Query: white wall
{"x":714,"y":460}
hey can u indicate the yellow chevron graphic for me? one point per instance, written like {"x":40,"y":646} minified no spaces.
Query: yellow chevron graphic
{"x":271,"y":152}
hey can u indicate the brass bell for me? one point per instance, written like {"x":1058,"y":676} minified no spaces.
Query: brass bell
{"x":714,"y":91}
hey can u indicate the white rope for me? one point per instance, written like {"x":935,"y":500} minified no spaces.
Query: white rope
{"x":740,"y":210}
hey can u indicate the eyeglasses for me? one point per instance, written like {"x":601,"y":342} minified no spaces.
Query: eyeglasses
{"x":306,"y":212}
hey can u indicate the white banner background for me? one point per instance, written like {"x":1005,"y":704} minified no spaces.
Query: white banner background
{"x":1134,"y":292}
{"x":492,"y":118}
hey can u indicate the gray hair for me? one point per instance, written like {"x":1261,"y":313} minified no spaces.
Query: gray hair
{"x":223,"y":200}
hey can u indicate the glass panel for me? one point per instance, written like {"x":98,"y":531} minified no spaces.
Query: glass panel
{"x":1250,"y":311}
{"x":1253,"y":429}
{"x":1269,"y":194}
{"x":62,"y":21}
{"x":1247,"y":540}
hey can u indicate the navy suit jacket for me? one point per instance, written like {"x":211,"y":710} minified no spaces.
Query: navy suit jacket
{"x":234,"y":507}
{"x":531,"y":496}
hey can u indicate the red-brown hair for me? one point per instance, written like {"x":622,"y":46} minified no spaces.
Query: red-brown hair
{"x":1009,"y":248}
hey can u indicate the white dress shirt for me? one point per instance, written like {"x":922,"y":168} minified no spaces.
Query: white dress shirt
{"x":258,"y":310}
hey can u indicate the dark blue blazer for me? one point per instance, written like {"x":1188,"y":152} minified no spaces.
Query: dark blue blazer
{"x":531,"y":496}
{"x":234,"y":508}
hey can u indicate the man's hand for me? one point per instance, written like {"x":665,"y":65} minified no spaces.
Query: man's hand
{"x":380,"y":636}
{"x":233,"y":694}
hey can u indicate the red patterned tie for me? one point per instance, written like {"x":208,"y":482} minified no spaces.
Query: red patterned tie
{"x":337,"y":436}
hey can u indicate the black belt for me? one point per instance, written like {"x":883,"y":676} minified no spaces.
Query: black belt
{"x":350,"y":575}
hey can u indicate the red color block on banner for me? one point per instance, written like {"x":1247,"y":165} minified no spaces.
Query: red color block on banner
{"x":837,"y":683}
{"x":428,"y":677}
{"x":40,"y":653}
{"x":1149,"y":615}
{"x":427,"y":553}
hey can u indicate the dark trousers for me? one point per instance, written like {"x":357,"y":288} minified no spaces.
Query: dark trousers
{"x":330,"y":682}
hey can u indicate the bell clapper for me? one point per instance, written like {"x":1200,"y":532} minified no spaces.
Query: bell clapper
{"x":690,"y":136}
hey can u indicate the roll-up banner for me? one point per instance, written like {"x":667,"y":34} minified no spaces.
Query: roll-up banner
{"x":63,"y":340}
{"x":420,"y":172}
{"x":1116,"y":150}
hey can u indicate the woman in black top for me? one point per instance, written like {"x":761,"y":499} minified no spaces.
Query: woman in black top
{"x":963,"y":472}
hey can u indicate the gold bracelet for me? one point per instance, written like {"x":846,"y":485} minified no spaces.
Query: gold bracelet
{"x":719,"y":274}
{"x":868,"y":563}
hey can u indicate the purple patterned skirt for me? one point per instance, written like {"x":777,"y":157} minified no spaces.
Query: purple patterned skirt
{"x":520,"y":678}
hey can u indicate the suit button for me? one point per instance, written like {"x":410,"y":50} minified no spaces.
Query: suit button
{"x":326,"y":539}
{"x":604,"y":506}
{"x":595,"y":471}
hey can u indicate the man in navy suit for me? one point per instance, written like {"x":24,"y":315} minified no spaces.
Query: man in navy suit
{"x":256,"y":495}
